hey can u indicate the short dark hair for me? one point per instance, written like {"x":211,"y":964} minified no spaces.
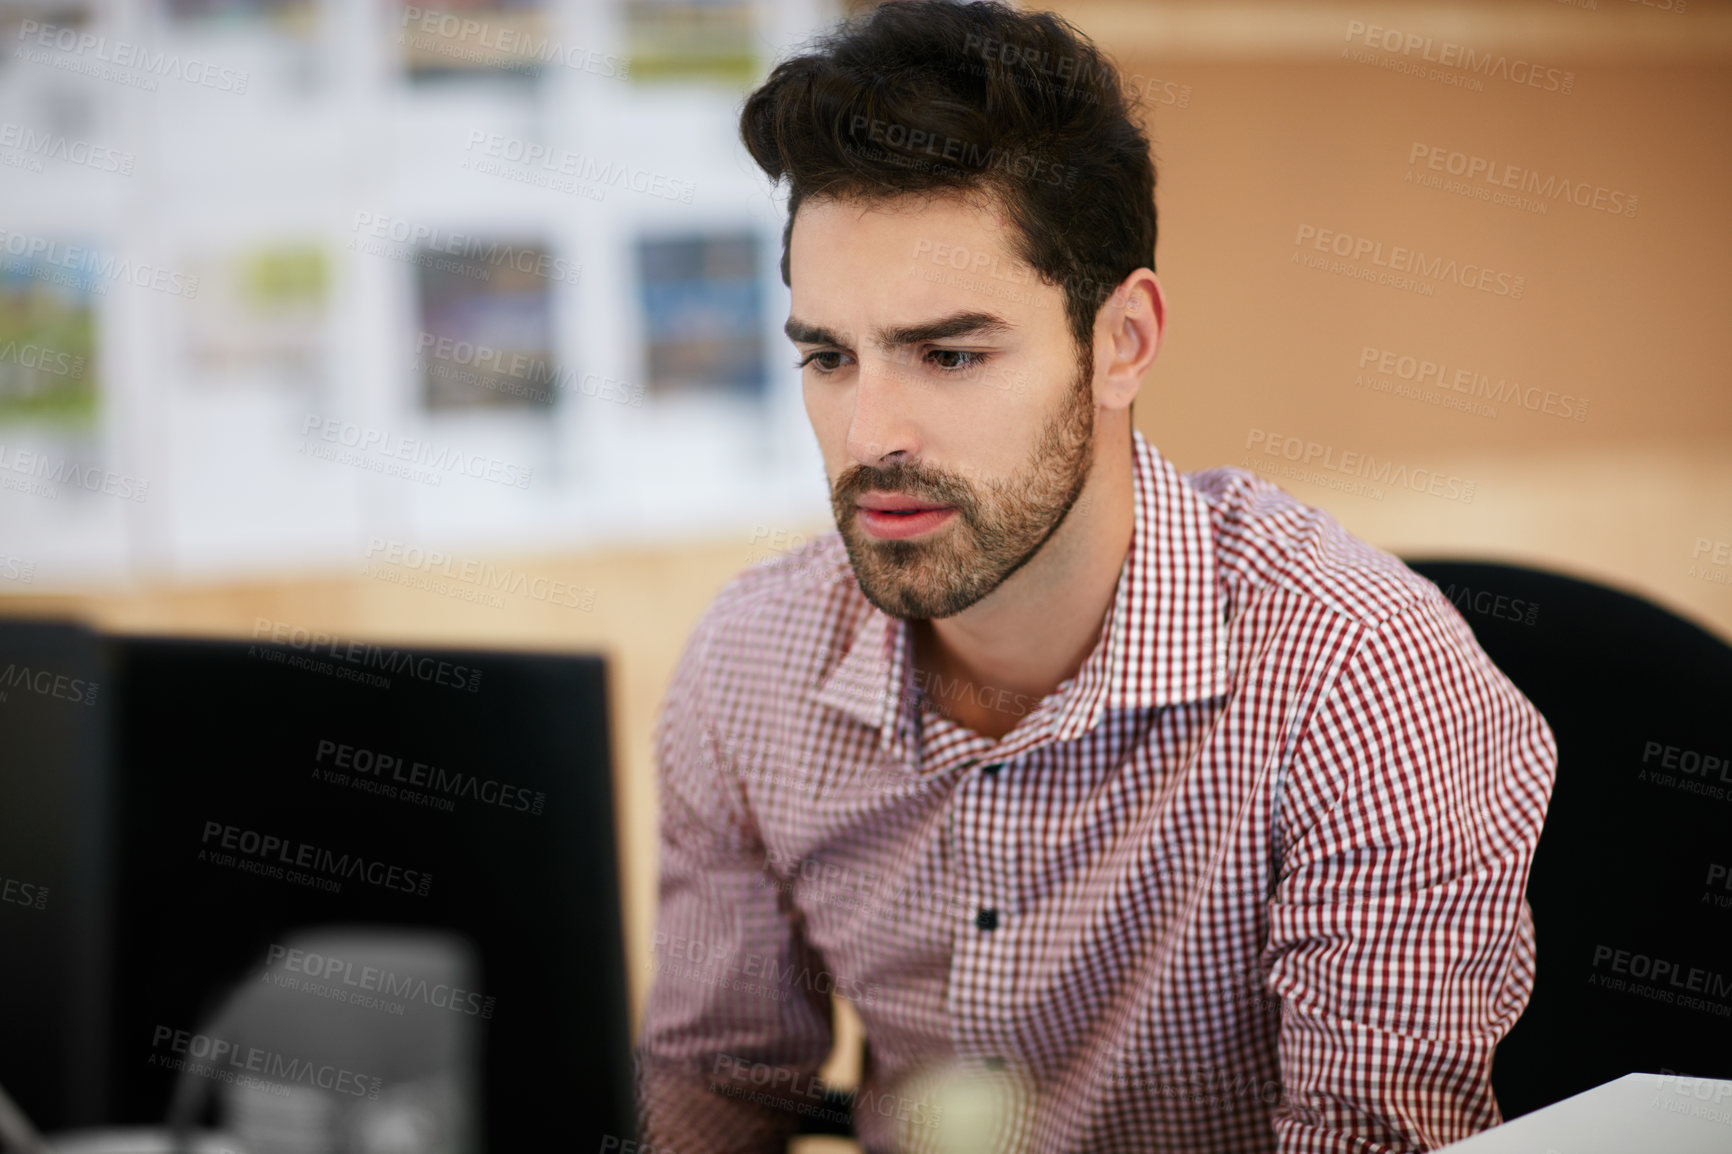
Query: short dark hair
{"x":1019,"y":106}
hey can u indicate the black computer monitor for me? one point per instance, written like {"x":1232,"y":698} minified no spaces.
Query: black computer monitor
{"x":55,"y":853}
{"x":362,"y":887}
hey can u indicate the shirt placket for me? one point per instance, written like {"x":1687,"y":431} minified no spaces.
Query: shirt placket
{"x":987,"y":911}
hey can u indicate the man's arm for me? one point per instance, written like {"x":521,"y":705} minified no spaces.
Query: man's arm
{"x":725,"y":1032}
{"x":1399,"y":940}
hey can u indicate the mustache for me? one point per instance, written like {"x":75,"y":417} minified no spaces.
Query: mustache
{"x":909,"y":479}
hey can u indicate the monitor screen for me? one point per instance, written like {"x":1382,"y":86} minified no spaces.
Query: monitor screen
{"x":363,"y":897}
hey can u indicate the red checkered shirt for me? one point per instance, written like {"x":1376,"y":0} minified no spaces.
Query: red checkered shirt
{"x":1250,"y":880}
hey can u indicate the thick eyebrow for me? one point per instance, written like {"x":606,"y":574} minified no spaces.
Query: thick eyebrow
{"x":955,"y":325}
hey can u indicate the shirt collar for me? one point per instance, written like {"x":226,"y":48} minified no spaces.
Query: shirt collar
{"x":1164,"y":641}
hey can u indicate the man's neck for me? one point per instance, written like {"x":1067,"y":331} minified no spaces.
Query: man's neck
{"x":991,"y":664}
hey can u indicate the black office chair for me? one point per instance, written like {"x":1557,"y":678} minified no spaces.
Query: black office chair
{"x":1631,"y":886}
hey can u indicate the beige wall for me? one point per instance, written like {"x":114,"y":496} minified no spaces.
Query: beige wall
{"x":1629,"y":313}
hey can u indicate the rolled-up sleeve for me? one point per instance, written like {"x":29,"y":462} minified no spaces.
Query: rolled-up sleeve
{"x":1400,"y":943}
{"x":729,"y":1047}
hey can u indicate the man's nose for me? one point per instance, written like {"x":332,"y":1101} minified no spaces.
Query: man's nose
{"x":882,"y":426}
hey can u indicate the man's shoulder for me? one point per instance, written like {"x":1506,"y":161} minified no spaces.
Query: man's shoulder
{"x":1271,"y":547}
{"x":1269,"y":543}
{"x":796,"y":600}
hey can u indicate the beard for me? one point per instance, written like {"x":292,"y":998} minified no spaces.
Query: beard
{"x":999,"y":525}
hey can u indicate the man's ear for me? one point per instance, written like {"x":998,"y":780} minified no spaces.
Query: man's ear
{"x":1128,"y":331}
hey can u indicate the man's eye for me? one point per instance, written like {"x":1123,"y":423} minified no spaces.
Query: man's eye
{"x":962,"y":361}
{"x":823,"y":366}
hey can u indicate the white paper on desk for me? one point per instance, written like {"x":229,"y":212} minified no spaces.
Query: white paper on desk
{"x":1653,"y":1113}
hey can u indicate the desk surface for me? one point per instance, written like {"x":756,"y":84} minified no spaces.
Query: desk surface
{"x":1653,"y":1113}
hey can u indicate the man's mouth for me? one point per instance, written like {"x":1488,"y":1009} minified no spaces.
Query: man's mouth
{"x":892,"y":517}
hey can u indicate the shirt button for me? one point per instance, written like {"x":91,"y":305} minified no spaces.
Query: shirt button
{"x":991,"y":769}
{"x":994,"y":1063}
{"x":986,"y":919}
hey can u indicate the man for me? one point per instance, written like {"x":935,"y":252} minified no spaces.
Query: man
{"x":1132,"y":811}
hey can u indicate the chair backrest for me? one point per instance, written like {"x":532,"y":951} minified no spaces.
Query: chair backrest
{"x":1631,"y":886}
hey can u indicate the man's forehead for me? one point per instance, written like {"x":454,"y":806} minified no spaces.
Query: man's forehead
{"x":904,"y":262}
